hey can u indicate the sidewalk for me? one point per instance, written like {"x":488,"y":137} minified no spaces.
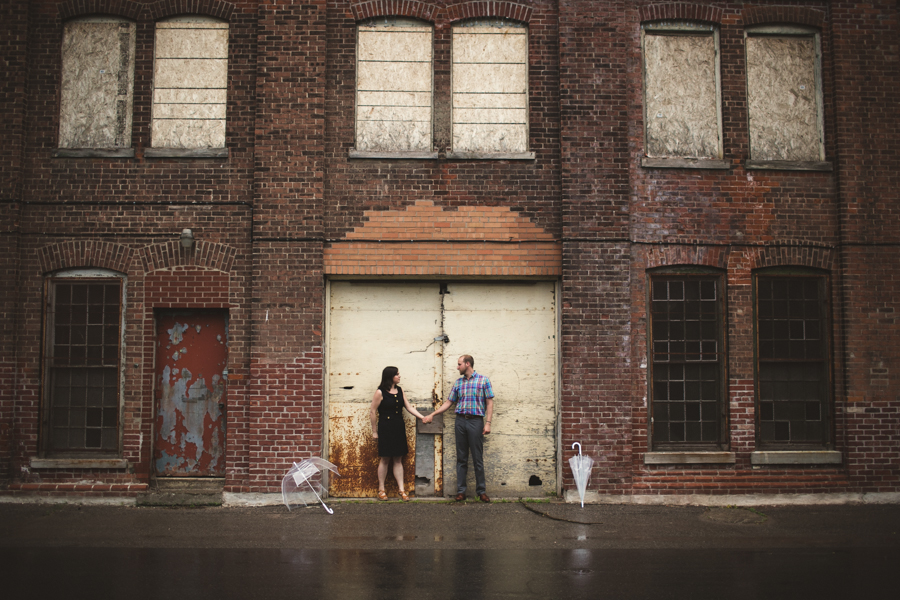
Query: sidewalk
{"x":448,"y":525}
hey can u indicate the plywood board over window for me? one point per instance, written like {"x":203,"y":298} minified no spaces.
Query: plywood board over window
{"x":490,"y":87}
{"x":682,"y":113}
{"x":97,"y":83}
{"x":190,"y":76}
{"x":784,"y":94}
{"x":394,"y":86}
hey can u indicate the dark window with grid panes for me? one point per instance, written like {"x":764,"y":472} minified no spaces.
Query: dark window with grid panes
{"x":792,"y":354}
{"x":83,"y":343}
{"x":687,"y":360}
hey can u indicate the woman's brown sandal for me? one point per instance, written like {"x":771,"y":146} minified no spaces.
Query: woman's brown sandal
{"x":382,"y":495}
{"x":404,"y":496}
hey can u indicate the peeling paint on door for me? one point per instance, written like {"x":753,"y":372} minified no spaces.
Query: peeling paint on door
{"x":191,"y":375}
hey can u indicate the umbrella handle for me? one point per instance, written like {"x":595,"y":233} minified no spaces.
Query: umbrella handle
{"x":579,"y":447}
{"x":328,"y":510}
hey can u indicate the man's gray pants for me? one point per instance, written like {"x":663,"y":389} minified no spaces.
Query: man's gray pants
{"x":469,"y":437}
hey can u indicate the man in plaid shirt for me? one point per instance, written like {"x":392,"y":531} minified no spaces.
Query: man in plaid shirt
{"x":474,"y":399}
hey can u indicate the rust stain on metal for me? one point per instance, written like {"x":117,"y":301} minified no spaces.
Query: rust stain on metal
{"x":355,"y":453}
{"x":192,"y":357}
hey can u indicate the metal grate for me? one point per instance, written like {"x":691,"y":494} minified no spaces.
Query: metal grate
{"x":792,"y":370}
{"x":686,"y":339}
{"x":83,"y":367}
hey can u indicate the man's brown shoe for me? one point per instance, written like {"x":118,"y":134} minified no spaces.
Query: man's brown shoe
{"x":460,"y":497}
{"x":484,"y":498}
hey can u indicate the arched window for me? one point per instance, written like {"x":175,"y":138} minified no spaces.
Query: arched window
{"x":793,"y":365}
{"x":687,"y":358}
{"x":82,"y":363}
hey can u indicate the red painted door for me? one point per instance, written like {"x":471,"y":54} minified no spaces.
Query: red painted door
{"x":191,"y":375}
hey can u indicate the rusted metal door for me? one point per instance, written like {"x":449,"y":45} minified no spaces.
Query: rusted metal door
{"x":422,"y":328}
{"x":372,"y":326}
{"x":191,"y":374}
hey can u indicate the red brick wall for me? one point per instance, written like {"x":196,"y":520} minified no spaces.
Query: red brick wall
{"x":354,"y":186}
{"x":596,"y":401}
{"x":13,"y":45}
{"x":284,"y":416}
{"x":126,"y":215}
{"x":288,"y":207}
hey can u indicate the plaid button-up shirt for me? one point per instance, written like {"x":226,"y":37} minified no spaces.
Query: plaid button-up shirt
{"x":471,"y":394}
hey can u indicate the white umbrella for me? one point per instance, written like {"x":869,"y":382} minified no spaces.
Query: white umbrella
{"x":292,"y":487}
{"x":581,"y":470}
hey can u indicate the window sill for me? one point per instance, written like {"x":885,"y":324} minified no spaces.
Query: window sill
{"x":186,"y":153}
{"x":93,"y":153}
{"x":393,"y":155}
{"x":795,"y":457}
{"x":689,"y":458}
{"x":490,"y":155}
{"x":685,"y":163}
{"x":789,"y":165}
{"x":78,"y":463}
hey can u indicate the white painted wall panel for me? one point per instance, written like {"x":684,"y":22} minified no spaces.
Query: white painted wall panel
{"x":510,"y":330}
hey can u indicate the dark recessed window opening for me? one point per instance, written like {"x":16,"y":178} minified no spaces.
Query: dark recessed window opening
{"x":792,"y":360}
{"x":687,"y":360}
{"x":82,"y":365}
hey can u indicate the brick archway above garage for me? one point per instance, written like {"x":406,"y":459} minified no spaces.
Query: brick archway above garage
{"x":425,"y":239}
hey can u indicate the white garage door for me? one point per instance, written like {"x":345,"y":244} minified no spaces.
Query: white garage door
{"x":422,"y":328}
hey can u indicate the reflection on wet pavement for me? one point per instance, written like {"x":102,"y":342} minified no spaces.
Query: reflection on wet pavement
{"x":340,"y":574}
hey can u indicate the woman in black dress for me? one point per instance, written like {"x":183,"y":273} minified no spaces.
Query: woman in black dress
{"x":389,"y":430}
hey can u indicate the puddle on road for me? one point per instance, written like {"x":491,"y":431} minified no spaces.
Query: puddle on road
{"x":735,"y":516}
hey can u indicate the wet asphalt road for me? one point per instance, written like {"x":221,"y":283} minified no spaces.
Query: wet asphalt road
{"x":441,"y":550}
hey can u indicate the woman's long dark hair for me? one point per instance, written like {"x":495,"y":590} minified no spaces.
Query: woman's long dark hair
{"x":387,"y":378}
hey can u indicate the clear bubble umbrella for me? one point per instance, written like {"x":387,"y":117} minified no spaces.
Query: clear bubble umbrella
{"x":581,"y":470}
{"x":294,"y":485}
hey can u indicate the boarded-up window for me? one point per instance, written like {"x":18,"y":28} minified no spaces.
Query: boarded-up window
{"x":681,"y":90}
{"x":190,"y":74}
{"x":97,"y":83}
{"x":784,"y":94}
{"x":687,"y":360}
{"x":793,"y":381}
{"x":490,"y":87}
{"x":394,"y":86}
{"x":81,"y":363}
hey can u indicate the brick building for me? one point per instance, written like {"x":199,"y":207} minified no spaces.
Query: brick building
{"x":666,"y":230}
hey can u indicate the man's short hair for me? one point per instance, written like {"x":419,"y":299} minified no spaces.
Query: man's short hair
{"x":468,"y":359}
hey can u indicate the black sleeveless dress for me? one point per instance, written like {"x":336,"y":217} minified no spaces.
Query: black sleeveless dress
{"x":391,"y":428}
